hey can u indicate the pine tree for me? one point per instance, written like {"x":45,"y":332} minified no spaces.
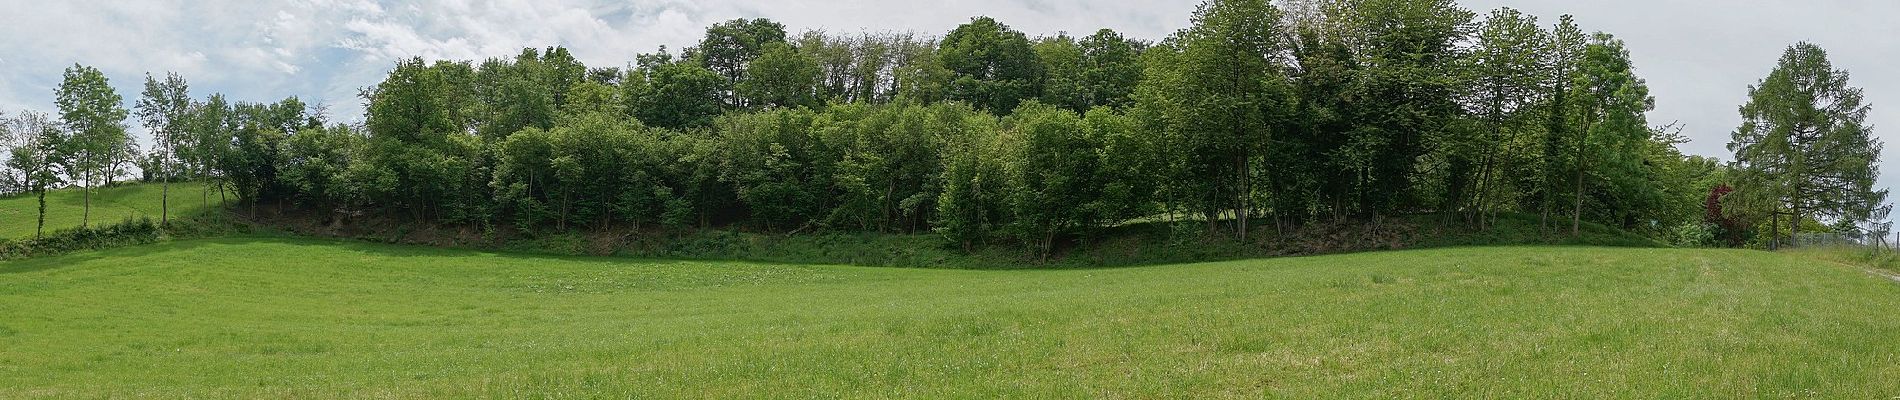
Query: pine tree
{"x":1803,"y":150}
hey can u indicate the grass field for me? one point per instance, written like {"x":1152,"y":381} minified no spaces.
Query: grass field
{"x":293,"y":318}
{"x":65,"y":208}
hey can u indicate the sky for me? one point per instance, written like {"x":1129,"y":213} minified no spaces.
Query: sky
{"x":1698,"y":56}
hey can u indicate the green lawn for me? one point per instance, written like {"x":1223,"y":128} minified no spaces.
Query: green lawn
{"x":65,"y":208}
{"x":284,"y":318}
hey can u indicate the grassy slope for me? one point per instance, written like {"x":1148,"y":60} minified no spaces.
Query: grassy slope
{"x":1149,"y":243}
{"x":1886,"y":260}
{"x":65,"y":208}
{"x":255,"y":317}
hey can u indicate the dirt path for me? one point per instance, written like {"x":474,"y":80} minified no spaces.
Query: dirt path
{"x":1889,"y":275}
{"x":1895,"y":277}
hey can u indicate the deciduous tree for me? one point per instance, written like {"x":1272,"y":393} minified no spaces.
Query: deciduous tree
{"x":36,"y":155}
{"x":164,"y":108}
{"x":994,"y":67}
{"x":94,"y":111}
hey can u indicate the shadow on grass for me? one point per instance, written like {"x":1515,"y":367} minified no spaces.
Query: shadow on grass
{"x":1127,"y":246}
{"x":70,"y":259}
{"x":381,"y":250}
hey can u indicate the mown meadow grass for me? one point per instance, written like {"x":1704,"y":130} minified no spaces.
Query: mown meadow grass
{"x":295,"y":318}
{"x":66,"y":208}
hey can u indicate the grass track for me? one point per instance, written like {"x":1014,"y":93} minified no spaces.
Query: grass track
{"x":285,"y":318}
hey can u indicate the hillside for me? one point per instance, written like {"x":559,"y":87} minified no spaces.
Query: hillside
{"x":290,"y":318}
{"x":65,"y":208}
{"x":1140,"y":243}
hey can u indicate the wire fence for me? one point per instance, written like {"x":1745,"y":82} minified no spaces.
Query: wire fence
{"x":1843,"y":239}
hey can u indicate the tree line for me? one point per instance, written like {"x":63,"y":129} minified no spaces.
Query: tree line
{"x":1259,"y":117}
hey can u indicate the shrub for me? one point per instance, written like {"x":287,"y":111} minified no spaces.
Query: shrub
{"x":127,"y":233}
{"x":1694,"y":234}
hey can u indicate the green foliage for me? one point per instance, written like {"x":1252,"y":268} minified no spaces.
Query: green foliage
{"x":209,"y":143}
{"x":876,"y":68}
{"x":1221,"y":89}
{"x":98,"y":145}
{"x":523,"y":173}
{"x":1611,"y":103}
{"x":729,"y":49}
{"x":1099,"y":70}
{"x":1508,"y":78}
{"x":976,"y":186}
{"x":35,"y":159}
{"x":127,"y":233}
{"x":252,"y":167}
{"x":513,"y":95}
{"x":774,"y":162}
{"x":594,"y":169}
{"x":164,"y":109}
{"x":1063,"y":82}
{"x":1051,"y":172}
{"x":1111,"y":68}
{"x":315,"y":163}
{"x":1127,"y":171}
{"x":1803,"y":151}
{"x":1410,"y":82}
{"x":1069,"y":175}
{"x":1329,"y":114}
{"x":890,"y":161}
{"x":674,"y":95}
{"x":1694,"y":234}
{"x":995,"y":68}
{"x":561,"y":73}
{"x":781,"y":76}
{"x":591,"y":98}
{"x":418,"y":158}
{"x":603,"y":172}
{"x":1562,"y":54}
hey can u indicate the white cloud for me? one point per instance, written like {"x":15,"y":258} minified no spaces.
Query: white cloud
{"x":324,"y":49}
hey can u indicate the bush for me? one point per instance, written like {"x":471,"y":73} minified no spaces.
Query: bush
{"x":1694,"y":234}
{"x":127,"y":233}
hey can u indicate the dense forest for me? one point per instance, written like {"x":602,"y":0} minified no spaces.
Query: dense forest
{"x":1259,"y":118}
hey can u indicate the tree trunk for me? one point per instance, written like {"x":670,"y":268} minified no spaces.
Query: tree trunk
{"x":1048,"y":245}
{"x":1213,"y":215}
{"x":1543,"y":222}
{"x":1576,"y":211}
{"x":1479,"y":207}
{"x":1774,"y":230}
{"x":1794,"y":227}
{"x":86,"y":217}
{"x":1576,"y":206}
{"x":1484,"y":189}
{"x":1273,"y":200}
{"x":165,"y":195}
{"x":1245,"y":194}
{"x":39,"y":231}
{"x":562,"y":223}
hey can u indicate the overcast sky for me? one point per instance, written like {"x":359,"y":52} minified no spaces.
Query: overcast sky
{"x":1698,"y":56}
